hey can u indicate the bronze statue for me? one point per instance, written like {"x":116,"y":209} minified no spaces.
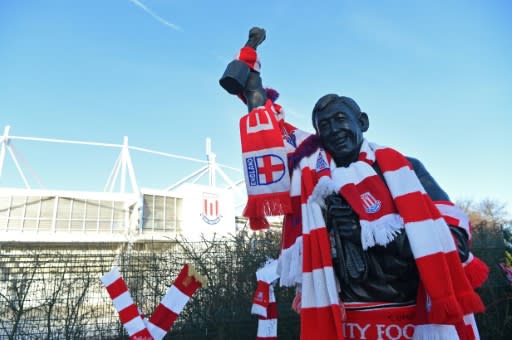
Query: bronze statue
{"x":381,"y":273}
{"x":374,"y":272}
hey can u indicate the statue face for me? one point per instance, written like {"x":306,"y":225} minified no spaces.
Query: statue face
{"x":340,"y":131}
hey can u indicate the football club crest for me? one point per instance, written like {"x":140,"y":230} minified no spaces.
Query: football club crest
{"x":265,"y":169}
{"x":370,"y":203}
{"x":210,"y":209}
{"x":321,"y":163}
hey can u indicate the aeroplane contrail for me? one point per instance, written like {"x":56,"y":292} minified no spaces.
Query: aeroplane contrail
{"x":156,"y":16}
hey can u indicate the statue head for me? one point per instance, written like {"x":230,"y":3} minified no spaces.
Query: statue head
{"x":340,"y":123}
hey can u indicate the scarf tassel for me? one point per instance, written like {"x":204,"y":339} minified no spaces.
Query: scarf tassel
{"x":380,"y":232}
{"x":470,"y":302}
{"x":258,"y":223}
{"x":445,"y":310}
{"x":476,"y":272}
{"x":290,"y":264}
{"x":259,"y":206}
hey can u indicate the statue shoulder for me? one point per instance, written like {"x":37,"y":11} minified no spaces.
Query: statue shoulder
{"x":417,"y":165}
{"x":432,"y":188}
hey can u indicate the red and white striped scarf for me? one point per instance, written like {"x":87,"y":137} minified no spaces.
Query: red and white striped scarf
{"x":267,"y":140}
{"x":264,"y":160}
{"x":165,"y":314}
{"x":476,"y":270}
{"x":174,"y":300}
{"x":267,"y":323}
{"x":380,"y":213}
{"x":321,"y":311}
{"x":129,"y":314}
{"x":249,"y":56}
{"x":264,"y":301}
{"x":431,"y":242}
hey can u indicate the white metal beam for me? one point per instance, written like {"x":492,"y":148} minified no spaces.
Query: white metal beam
{"x":5,"y":141}
{"x":198,"y":173}
{"x":20,"y":171}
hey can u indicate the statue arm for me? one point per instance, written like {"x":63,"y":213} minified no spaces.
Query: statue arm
{"x":242,"y":76}
{"x":433,"y":189}
{"x":436,"y":193}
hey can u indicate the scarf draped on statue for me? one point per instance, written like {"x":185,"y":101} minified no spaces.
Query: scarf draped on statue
{"x":383,"y":208}
{"x":431,"y":242}
{"x":264,"y":159}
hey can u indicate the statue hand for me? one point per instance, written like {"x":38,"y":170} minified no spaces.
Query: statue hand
{"x":256,"y":36}
{"x":340,"y":216}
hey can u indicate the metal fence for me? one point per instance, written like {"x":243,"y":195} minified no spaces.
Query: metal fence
{"x":53,"y":292}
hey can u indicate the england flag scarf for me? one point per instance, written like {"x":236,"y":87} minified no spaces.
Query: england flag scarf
{"x":264,"y":160}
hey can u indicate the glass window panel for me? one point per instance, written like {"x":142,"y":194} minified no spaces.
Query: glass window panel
{"x":105,"y":225}
{"x":76,"y":225}
{"x":3,"y":222}
{"x":62,"y":224}
{"x":77,"y":212}
{"x":47,"y":206}
{"x":5,"y":205}
{"x":91,"y":225}
{"x":105,"y":210}
{"x":63,"y":208}
{"x":32,"y":207}
{"x":14,"y":223}
{"x":45,"y":224}
{"x":93,"y":207}
{"x":29,"y":224}
{"x":17,"y":207}
{"x":149,"y":201}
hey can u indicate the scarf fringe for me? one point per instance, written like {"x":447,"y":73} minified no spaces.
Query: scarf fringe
{"x":435,"y":332}
{"x":259,"y":206}
{"x":380,"y":232}
{"x":476,"y":272}
{"x":289,"y":266}
{"x":258,"y":223}
{"x":470,"y":302}
{"x":445,"y":310}
{"x":323,"y":188}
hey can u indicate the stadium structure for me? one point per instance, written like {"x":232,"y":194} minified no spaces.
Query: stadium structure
{"x":123,"y":211}
{"x":56,"y":240}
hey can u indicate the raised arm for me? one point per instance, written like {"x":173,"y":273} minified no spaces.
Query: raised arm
{"x":242,"y":75}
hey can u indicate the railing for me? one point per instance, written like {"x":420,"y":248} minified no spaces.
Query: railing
{"x":54,"y":293}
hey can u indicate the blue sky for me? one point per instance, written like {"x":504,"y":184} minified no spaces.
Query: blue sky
{"x":435,"y":78}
